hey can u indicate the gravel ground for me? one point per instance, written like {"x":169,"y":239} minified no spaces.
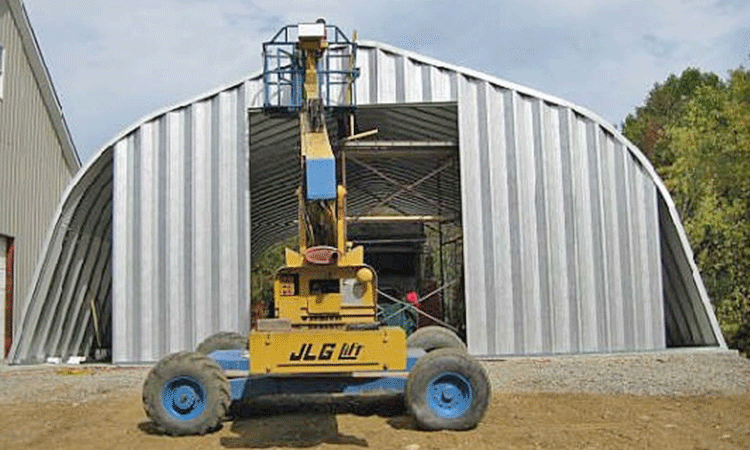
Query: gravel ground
{"x":673,"y":372}
{"x":669,"y":373}
{"x":68,"y":384}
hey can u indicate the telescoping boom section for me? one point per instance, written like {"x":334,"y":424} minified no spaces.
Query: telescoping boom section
{"x":325,"y":295}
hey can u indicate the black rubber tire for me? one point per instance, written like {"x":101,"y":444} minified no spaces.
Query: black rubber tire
{"x":225,"y":340}
{"x":441,"y":362}
{"x":204,"y":371}
{"x":434,"y":337}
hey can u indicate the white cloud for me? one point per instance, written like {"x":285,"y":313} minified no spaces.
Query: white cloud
{"x":114,"y":61}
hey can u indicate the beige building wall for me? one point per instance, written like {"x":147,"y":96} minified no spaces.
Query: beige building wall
{"x":34,"y":170}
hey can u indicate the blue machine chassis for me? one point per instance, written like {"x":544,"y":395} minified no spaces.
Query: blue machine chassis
{"x":251,"y":386}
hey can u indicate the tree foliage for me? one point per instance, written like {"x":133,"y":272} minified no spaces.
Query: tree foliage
{"x":696,"y":130}
{"x":263,"y":273}
{"x":646,"y":128}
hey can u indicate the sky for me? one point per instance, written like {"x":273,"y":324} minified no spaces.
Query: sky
{"x":114,"y":61}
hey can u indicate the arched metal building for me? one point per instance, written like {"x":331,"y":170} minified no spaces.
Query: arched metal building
{"x":571,"y":242}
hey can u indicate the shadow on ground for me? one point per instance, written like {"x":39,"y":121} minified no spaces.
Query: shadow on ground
{"x":302,"y":421}
{"x":150,"y":427}
{"x":297,"y":430}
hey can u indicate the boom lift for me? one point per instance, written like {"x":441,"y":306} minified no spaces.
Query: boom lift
{"x":325,"y":336}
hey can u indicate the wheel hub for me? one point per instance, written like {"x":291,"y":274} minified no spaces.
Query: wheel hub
{"x":184,"y":398}
{"x":449,"y":395}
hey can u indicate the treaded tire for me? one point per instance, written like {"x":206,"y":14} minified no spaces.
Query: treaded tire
{"x":434,"y":337}
{"x":447,"y":389}
{"x":225,"y":340}
{"x":186,"y":393}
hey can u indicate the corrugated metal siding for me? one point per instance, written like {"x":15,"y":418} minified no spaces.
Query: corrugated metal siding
{"x":274,"y":179}
{"x":560,"y":214}
{"x":33,"y":170}
{"x":181,"y":231}
{"x":689,"y":319}
{"x":70,"y":308}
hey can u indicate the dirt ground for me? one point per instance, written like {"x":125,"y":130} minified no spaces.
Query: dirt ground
{"x":522,"y":421}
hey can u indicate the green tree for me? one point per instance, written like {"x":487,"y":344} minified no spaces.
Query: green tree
{"x":665,"y":103}
{"x":263,"y":273}
{"x":695,"y":129}
{"x":709,"y":179}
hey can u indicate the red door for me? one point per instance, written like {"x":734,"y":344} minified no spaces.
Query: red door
{"x":9,"y":297}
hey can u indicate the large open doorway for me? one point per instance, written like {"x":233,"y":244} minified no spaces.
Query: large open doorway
{"x":400,"y":164}
{"x":405,"y":208}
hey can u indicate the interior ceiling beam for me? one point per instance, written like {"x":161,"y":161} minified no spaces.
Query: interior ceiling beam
{"x":402,"y":145}
{"x":394,"y":219}
{"x":399,"y":149}
{"x":420,"y":153}
{"x":402,"y":187}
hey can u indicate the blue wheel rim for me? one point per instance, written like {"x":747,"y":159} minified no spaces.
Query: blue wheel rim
{"x":184,"y":398}
{"x":449,"y":395}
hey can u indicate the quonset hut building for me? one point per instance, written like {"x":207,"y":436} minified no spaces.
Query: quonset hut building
{"x":569,"y":241}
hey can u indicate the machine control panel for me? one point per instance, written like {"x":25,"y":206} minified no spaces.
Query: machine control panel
{"x":288,"y":284}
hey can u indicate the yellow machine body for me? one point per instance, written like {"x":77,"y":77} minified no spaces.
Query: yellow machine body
{"x":318,"y":310}
{"x":326,"y":296}
{"x":325,"y":351}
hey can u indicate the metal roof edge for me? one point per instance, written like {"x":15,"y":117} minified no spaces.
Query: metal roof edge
{"x":44,"y":82}
{"x":160,"y":112}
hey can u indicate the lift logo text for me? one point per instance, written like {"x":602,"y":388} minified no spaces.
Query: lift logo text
{"x":307,"y":352}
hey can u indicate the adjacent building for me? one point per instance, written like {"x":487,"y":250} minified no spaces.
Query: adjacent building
{"x":37,"y":161}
